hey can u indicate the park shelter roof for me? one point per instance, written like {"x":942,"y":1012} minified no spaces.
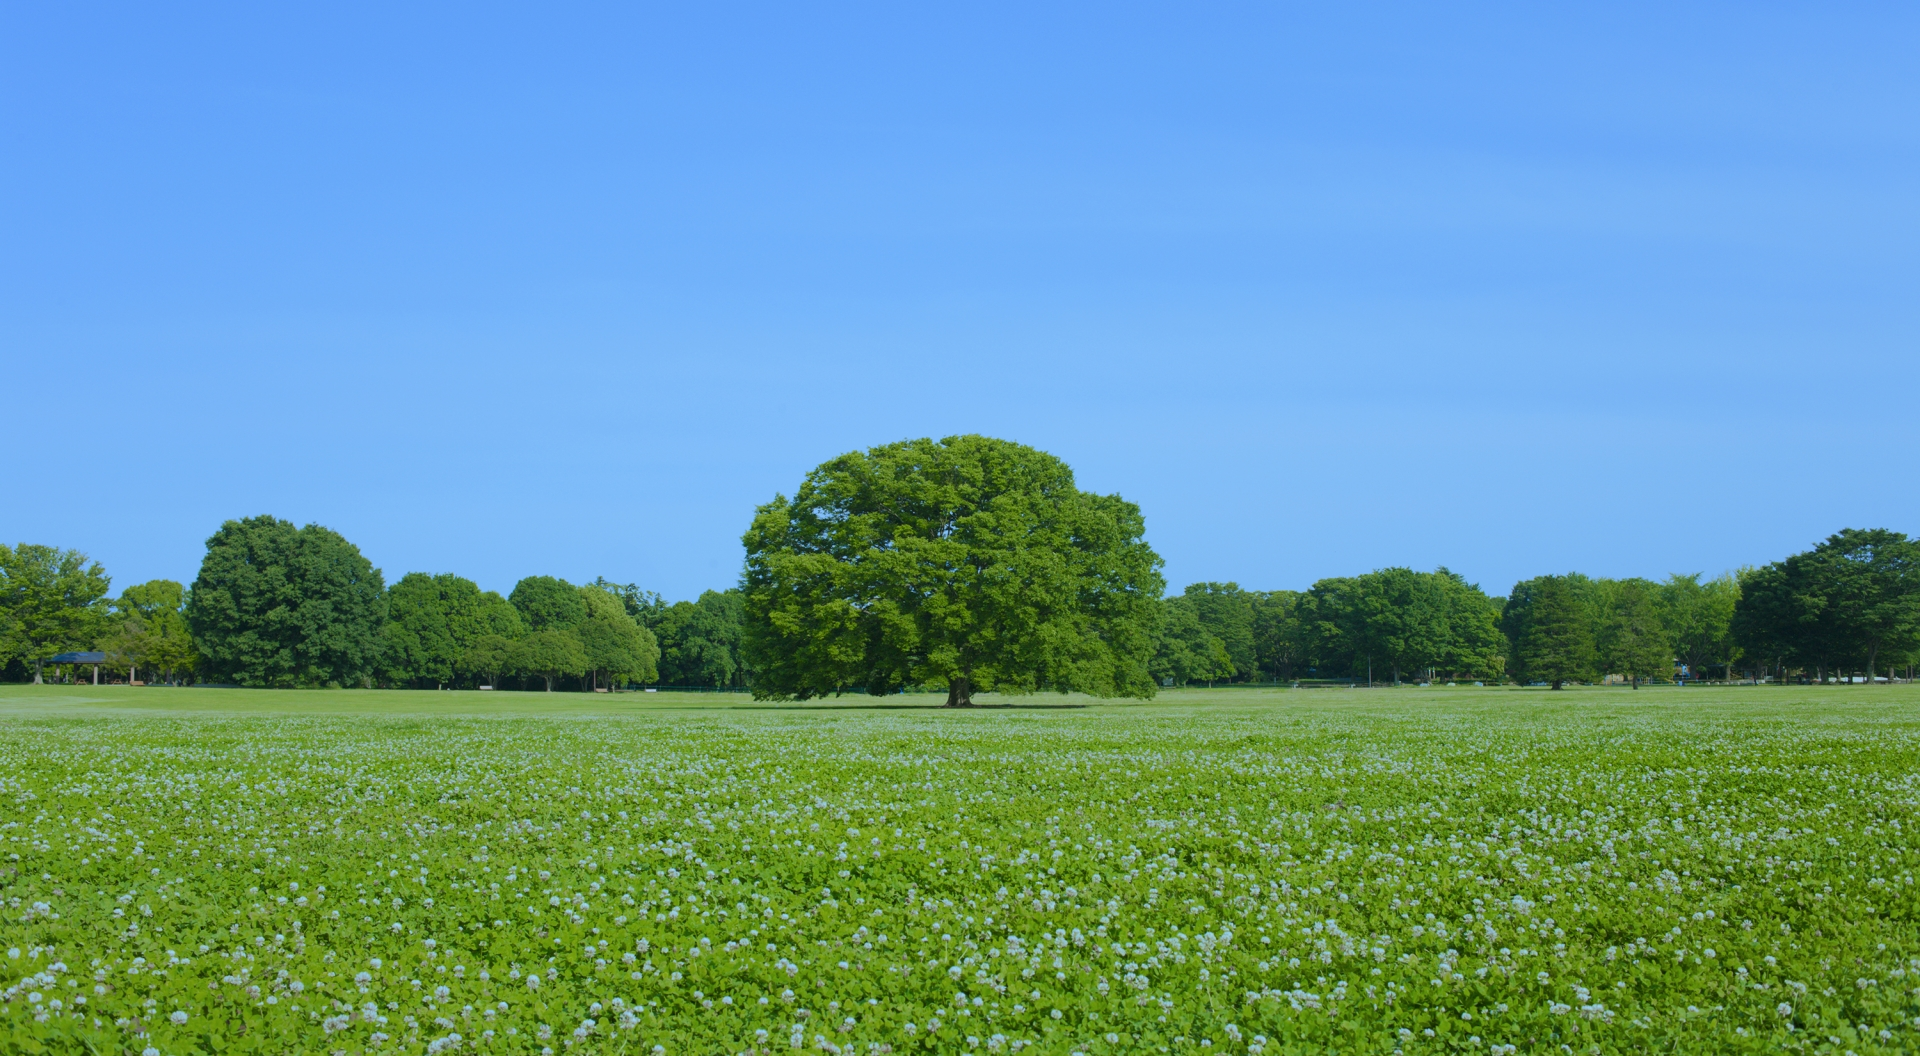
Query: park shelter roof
{"x":79,"y":658}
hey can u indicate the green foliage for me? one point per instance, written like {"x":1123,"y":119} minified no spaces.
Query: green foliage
{"x":1280,"y":637}
{"x":1474,"y":648}
{"x":1186,"y":651}
{"x":645,"y":606}
{"x":548,"y":604}
{"x":1226,"y":612}
{"x":1699,"y":619}
{"x":1289,"y":874}
{"x":276,"y":605}
{"x":614,"y":645}
{"x":51,"y":601}
{"x":1851,"y":600}
{"x":701,"y":641}
{"x":1549,"y":623}
{"x":492,"y":655}
{"x":550,"y":654}
{"x":1396,"y":621}
{"x":150,"y":630}
{"x":970,"y":562}
{"x":434,"y":621}
{"x":1632,"y":640}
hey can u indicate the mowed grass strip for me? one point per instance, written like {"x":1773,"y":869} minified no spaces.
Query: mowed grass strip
{"x":189,"y":870}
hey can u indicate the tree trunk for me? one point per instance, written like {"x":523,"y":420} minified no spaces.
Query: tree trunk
{"x":1634,"y":680}
{"x":960,"y":693}
{"x":36,"y":673}
{"x":549,"y":679}
{"x":1556,"y":683}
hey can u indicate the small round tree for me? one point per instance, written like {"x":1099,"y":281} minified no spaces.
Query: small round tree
{"x":969,"y":562}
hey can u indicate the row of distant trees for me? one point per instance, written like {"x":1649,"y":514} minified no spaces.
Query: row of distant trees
{"x":1850,"y":606}
{"x":280,"y":605}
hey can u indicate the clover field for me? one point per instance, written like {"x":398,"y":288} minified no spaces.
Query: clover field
{"x":1265,"y":872}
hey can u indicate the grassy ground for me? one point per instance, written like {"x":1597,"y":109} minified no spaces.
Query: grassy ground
{"x":18,"y":700}
{"x":1262,"y":871}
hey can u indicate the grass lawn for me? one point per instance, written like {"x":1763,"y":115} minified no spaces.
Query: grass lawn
{"x":1263,"y":871}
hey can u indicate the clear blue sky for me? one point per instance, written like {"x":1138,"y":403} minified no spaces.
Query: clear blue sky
{"x":569,"y":290}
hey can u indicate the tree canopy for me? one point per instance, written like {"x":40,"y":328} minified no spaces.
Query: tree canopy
{"x":1853,"y":599}
{"x":1187,"y":650}
{"x":433,"y":622}
{"x":615,"y":646}
{"x":701,"y":640}
{"x":276,"y":605}
{"x":51,"y":601}
{"x":1632,"y":639}
{"x":1699,"y":619}
{"x":151,"y":630}
{"x":968,"y":562}
{"x":548,"y":604}
{"x":1549,"y":625}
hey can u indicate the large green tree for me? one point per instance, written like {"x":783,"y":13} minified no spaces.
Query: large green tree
{"x":546,"y":603}
{"x":1280,"y":639}
{"x":1186,"y":650}
{"x":51,"y":601}
{"x":152,"y":630}
{"x":1549,"y":626}
{"x":646,"y":607}
{"x":492,"y":655}
{"x":1632,"y":640}
{"x":701,"y":640}
{"x":551,"y":654}
{"x":616,"y":647}
{"x":968,"y":562}
{"x":1226,"y":612}
{"x":1872,"y":581}
{"x":1851,"y":600}
{"x":1474,"y":647}
{"x":1386,"y":622}
{"x":276,"y":605}
{"x":434,"y":620}
{"x":1782,"y":616}
{"x":1699,"y":619}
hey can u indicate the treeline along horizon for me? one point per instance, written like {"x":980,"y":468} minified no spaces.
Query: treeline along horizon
{"x":277,"y":605}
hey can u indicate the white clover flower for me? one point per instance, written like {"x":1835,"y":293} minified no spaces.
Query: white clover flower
{"x":179,"y":1018}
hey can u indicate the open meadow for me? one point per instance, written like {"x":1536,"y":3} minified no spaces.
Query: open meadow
{"x":1258,"y":871}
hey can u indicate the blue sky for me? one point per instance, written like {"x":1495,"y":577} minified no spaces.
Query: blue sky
{"x":569,"y":290}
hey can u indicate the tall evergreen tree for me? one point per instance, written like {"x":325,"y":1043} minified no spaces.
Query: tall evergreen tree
{"x":1549,"y":627}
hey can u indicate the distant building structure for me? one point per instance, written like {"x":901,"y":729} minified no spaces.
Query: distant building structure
{"x":95,"y":659}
